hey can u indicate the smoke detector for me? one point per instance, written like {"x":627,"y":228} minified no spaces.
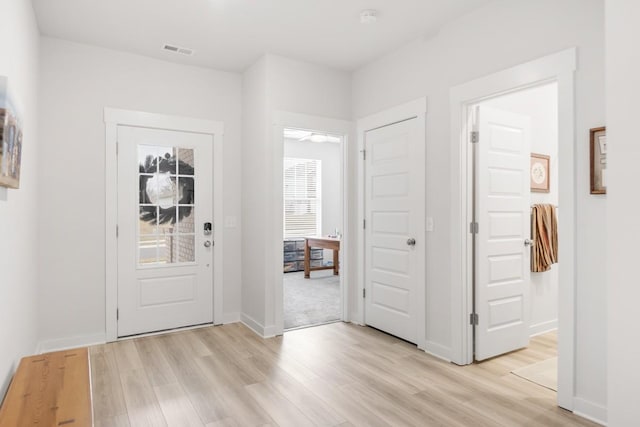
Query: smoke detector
{"x":369,"y":16}
{"x":178,"y":49}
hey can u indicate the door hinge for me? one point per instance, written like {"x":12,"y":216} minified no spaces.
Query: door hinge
{"x":364,"y":154}
{"x":473,"y":319}
{"x":117,"y":230}
{"x":117,"y":147}
{"x":117,"y":314}
{"x":364,"y":292}
{"x":364,"y":224}
{"x":474,"y":228}
{"x":475,"y":137}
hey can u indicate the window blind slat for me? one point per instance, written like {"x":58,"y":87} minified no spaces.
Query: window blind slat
{"x":301,"y":199}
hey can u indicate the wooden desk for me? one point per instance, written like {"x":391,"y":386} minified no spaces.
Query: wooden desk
{"x":324,"y":243}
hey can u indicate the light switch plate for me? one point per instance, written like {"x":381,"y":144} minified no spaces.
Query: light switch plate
{"x":429,"y":223}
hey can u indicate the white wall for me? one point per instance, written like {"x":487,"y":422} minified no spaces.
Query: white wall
{"x":255,"y":200}
{"x":77,"y":82}
{"x":19,"y":209}
{"x":275,"y":84}
{"x":623,"y":205}
{"x":329,"y":153}
{"x":499,"y":35}
{"x":540,"y":104}
{"x":302,"y":87}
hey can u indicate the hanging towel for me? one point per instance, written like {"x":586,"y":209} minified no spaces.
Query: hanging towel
{"x":544,"y":232}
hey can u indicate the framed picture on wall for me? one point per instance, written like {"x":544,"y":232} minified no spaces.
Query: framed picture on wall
{"x":539,"y":173}
{"x":598,"y":148}
{"x":10,"y":140}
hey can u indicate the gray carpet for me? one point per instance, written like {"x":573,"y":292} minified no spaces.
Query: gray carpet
{"x":311,"y":301}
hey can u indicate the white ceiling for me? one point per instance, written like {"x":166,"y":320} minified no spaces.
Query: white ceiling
{"x":232,"y":34}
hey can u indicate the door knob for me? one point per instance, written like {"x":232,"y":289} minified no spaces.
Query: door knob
{"x":207,"y":244}
{"x":411,"y":242}
{"x":529,"y":242}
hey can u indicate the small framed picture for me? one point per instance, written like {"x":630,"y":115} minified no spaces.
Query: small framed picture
{"x":598,"y":149}
{"x":539,"y":173}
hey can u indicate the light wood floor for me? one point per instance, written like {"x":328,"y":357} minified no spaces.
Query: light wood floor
{"x":337,"y":374}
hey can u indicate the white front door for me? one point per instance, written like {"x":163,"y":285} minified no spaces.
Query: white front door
{"x":165,"y":271}
{"x":502,"y":260}
{"x":394,"y":231}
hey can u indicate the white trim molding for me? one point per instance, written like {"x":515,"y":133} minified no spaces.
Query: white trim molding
{"x":413,"y":109}
{"x":114,"y":117}
{"x":543,"y":327}
{"x":161,"y":121}
{"x":257,"y":327}
{"x":591,"y":411}
{"x":228,"y":318}
{"x":69,"y":343}
{"x":280,"y":121}
{"x":559,"y":67}
{"x":438,"y":350}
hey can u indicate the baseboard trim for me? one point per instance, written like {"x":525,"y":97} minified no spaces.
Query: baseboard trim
{"x":543,"y":327}
{"x":589,"y":410}
{"x":437,"y":350}
{"x":270,"y":331}
{"x":69,"y":343}
{"x":231,"y":318}
{"x":254,"y":325}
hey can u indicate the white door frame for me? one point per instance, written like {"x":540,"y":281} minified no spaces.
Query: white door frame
{"x":113,"y":118}
{"x":282,"y":120}
{"x":414,"y":109}
{"x":558,"y":67}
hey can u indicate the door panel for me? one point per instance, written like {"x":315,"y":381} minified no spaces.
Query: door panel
{"x":165,"y":276}
{"x":394,"y":209}
{"x":502,"y":212}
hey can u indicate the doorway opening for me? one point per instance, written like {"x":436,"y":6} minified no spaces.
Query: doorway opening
{"x":164,"y":267}
{"x":515,"y":172}
{"x":560,"y":68}
{"x":313,"y":226}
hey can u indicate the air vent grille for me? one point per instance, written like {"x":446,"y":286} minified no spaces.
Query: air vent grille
{"x":178,"y":49}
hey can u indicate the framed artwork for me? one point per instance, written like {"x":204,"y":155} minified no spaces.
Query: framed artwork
{"x":10,"y":140}
{"x":539,"y":173}
{"x":598,"y":149}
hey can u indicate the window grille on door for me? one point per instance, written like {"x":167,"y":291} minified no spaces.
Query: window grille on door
{"x":166,"y":233}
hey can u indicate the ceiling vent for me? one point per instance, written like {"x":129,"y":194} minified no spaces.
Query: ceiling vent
{"x":177,"y":49}
{"x":369,"y":16}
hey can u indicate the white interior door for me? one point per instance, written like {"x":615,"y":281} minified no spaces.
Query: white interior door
{"x":165,"y":271}
{"x":502,"y":254}
{"x":394,"y":232}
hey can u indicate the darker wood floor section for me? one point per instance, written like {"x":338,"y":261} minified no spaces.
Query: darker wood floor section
{"x":332,"y":375}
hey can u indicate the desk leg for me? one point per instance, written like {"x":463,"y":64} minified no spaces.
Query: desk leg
{"x":336,"y":260}
{"x":307,"y":260}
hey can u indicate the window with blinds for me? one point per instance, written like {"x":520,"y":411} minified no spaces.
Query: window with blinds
{"x":302,"y":201}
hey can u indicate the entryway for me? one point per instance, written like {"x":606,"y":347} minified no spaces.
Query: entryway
{"x":515,"y":169}
{"x":164,"y":247}
{"x":514,"y":144}
{"x":516,"y":181}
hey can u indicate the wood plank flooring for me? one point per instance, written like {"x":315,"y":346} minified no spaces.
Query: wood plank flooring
{"x":333,"y":375}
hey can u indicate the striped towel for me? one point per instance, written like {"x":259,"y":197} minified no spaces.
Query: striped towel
{"x":544,"y":232}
